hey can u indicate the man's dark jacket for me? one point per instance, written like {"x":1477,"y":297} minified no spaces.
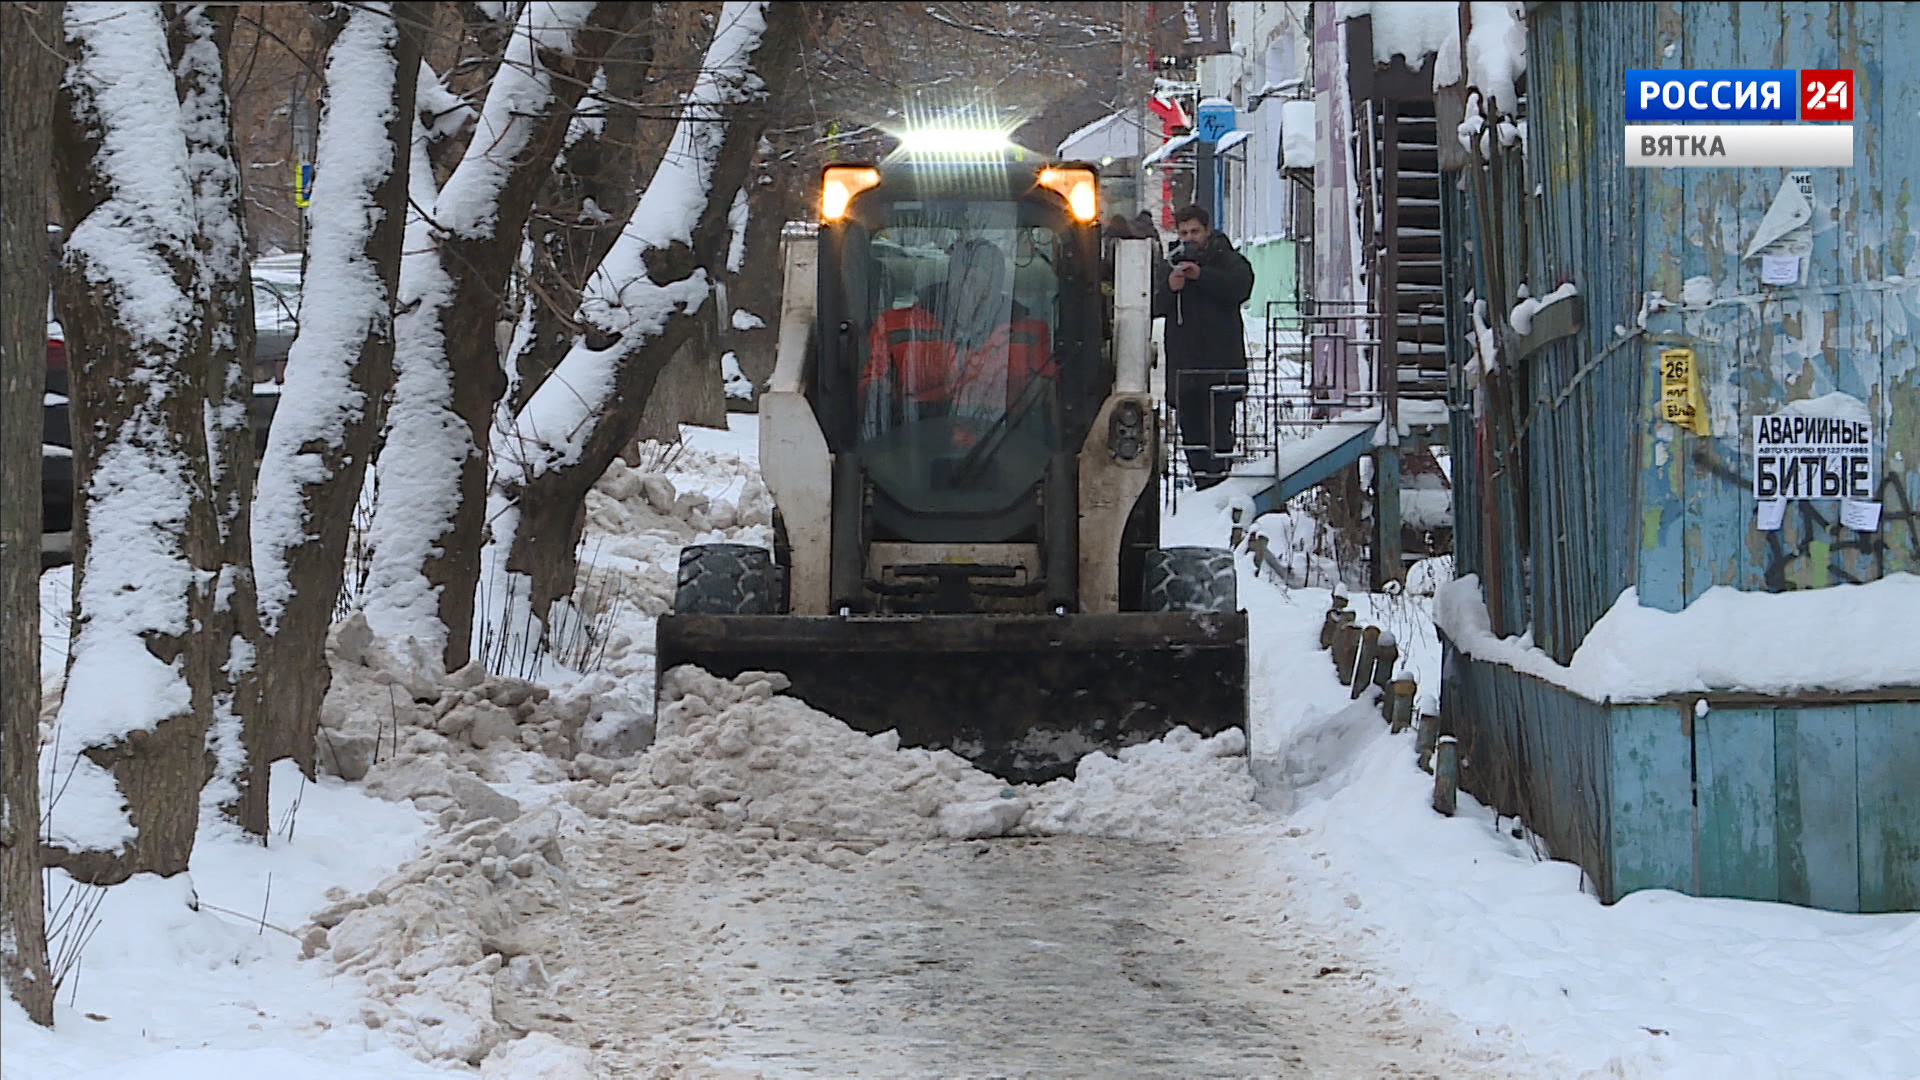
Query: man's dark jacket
{"x":1203,"y":319}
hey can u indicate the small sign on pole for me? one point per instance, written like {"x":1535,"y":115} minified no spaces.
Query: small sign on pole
{"x":302,"y":185}
{"x":1213,"y":120}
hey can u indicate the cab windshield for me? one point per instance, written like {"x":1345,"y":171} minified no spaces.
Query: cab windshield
{"x":955,"y":312}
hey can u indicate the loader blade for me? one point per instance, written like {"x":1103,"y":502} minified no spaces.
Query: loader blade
{"x":1022,"y":697}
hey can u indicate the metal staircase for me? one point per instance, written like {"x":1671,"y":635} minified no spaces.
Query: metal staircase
{"x":1407,"y":248}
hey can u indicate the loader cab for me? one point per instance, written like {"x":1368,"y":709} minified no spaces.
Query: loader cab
{"x":959,"y":357}
{"x":963,"y":448}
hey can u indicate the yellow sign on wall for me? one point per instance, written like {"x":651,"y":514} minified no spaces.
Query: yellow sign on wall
{"x":1681,"y":400}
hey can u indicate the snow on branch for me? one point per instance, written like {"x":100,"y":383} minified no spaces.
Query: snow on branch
{"x":344,"y":301}
{"x":622,"y":300}
{"x":442,"y":111}
{"x":521,"y":94}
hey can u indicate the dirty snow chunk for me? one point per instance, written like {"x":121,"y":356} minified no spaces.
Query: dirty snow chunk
{"x":746,"y":320}
{"x":539,"y":1056}
{"x":735,"y":753}
{"x":989,"y":817}
{"x":1841,"y":638}
{"x":1521,"y":318}
{"x":1178,"y":786}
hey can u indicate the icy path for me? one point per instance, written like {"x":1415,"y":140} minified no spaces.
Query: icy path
{"x":1066,"y":956}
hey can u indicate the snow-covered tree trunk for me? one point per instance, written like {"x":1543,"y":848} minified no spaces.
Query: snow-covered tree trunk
{"x":200,"y":37}
{"x":429,"y":518}
{"x":641,"y":302}
{"x":579,"y":213}
{"x":340,"y":366}
{"x":125,"y":775}
{"x":29,"y":77}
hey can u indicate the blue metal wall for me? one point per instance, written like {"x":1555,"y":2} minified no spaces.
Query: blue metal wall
{"x":1849,"y":326}
{"x":1804,"y":803}
{"x":1569,"y":489}
{"x":1577,"y":490}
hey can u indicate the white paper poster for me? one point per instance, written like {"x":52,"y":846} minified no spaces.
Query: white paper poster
{"x":1812,"y":457}
{"x":1772,"y":512}
{"x":1780,"y":270}
{"x":1860,"y":516}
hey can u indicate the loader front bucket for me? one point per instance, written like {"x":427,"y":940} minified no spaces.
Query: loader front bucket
{"x":1022,"y":697}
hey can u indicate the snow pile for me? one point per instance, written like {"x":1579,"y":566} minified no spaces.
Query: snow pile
{"x":1180,"y":786}
{"x":1843,"y":638}
{"x":198,"y":975}
{"x":435,"y":943}
{"x":388,"y":707}
{"x":733,"y":755}
{"x":736,"y":755}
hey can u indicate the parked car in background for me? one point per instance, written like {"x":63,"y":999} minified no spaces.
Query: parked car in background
{"x":276,"y":314}
{"x":276,"y":308}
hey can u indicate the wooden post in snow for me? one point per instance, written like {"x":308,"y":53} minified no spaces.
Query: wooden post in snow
{"x":1400,"y":708}
{"x":1346,"y":647}
{"x":1386,"y":656}
{"x":1361,"y":674}
{"x":1446,"y":775}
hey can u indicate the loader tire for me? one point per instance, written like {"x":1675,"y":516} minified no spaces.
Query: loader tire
{"x":725,"y":579}
{"x":1191,"y":579}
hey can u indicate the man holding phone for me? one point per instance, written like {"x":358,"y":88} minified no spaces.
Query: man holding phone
{"x":1206,"y":344}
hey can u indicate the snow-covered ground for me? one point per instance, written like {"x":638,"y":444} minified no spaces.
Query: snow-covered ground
{"x":766,"y":893}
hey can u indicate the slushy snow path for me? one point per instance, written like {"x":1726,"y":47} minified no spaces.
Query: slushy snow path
{"x":1045,"y":957}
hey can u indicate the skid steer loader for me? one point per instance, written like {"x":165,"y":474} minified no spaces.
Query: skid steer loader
{"x":963,"y":452}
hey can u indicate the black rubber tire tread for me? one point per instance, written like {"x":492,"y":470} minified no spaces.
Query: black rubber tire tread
{"x":1191,"y":579}
{"x":725,"y":579}
{"x":1137,"y":540}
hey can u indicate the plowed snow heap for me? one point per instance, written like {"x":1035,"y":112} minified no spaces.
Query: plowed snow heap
{"x":736,"y":754}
